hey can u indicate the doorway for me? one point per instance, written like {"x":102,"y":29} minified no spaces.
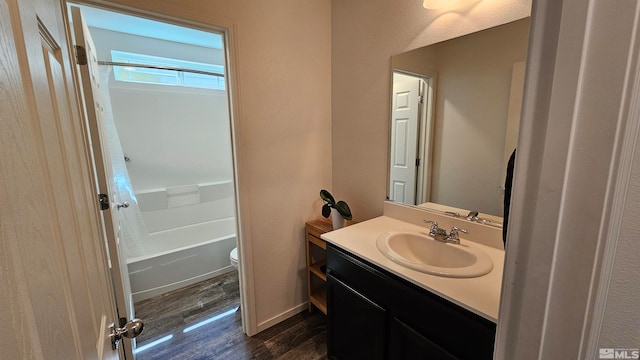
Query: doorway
{"x":165,"y":111}
{"x":411,"y":134}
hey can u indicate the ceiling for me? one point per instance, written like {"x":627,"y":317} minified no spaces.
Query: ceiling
{"x":115,"y":21}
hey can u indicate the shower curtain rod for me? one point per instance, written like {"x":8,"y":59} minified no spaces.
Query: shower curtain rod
{"x":159,"y":68}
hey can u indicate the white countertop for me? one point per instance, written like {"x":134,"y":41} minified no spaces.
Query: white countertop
{"x":480,"y":295}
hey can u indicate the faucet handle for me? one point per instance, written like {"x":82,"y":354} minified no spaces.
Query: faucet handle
{"x":455,"y":229}
{"x":433,"y":229}
{"x":454,"y":233}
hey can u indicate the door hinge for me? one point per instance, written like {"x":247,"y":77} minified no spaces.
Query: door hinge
{"x":81,"y":55}
{"x":421,"y":99}
{"x":103,"y":199}
{"x":417,"y":162}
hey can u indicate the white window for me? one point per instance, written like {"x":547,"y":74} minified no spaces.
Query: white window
{"x":167,"y":77}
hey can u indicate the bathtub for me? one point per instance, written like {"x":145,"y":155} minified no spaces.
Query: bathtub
{"x":191,"y":242}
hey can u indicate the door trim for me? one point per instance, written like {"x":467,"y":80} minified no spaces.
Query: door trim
{"x":570,"y":182}
{"x":426,"y":117}
{"x":180,"y":16}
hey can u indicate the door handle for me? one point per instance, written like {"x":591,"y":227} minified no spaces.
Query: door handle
{"x":130,"y":330}
{"x":123,"y":204}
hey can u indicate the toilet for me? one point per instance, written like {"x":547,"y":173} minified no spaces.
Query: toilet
{"x":233,"y":256}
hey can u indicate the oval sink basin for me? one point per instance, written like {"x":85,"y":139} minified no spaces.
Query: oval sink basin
{"x":419,"y":251}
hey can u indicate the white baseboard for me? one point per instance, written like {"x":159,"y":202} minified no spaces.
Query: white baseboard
{"x":282,"y":316}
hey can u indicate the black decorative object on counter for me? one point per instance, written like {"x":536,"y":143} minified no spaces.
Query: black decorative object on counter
{"x":508,"y":183}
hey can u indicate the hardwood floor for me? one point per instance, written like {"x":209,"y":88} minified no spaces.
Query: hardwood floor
{"x":211,"y":305}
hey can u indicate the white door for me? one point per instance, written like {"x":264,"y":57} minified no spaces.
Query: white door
{"x":404,"y":139}
{"x":56,"y":297}
{"x":92,"y":94}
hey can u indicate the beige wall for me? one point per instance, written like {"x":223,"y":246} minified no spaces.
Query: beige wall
{"x":421,"y":61}
{"x":472,"y":102}
{"x":302,"y":119}
{"x":471,"y":106}
{"x":365,"y":34}
{"x":283,"y":65}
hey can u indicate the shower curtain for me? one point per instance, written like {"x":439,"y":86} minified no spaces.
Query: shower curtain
{"x":134,"y":237}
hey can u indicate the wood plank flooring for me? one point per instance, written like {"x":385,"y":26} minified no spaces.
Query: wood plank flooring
{"x":168,"y":316}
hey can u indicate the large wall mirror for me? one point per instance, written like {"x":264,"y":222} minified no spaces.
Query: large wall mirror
{"x":454,"y":120}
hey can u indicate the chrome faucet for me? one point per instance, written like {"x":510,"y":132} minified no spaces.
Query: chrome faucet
{"x":454,"y":237}
{"x":435,"y":231}
{"x":473,"y":216}
{"x":440,"y":234}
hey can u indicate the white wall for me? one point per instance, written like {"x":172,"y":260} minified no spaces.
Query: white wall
{"x":365,"y":34}
{"x":570,"y":182}
{"x":621,"y":316}
{"x":173,"y":135}
{"x":107,"y":40}
{"x":283,"y":59}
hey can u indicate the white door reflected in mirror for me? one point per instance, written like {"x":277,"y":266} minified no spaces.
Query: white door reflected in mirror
{"x":460,"y":152}
{"x":409,"y":116}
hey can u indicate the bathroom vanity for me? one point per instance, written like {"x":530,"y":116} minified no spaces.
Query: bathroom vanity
{"x":378,"y":309}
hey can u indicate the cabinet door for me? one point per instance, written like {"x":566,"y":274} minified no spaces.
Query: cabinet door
{"x":357,"y":326}
{"x":405,"y":343}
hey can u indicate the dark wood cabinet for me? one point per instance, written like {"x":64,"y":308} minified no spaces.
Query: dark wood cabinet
{"x":359,"y":324}
{"x":406,"y":343}
{"x":374,"y":314}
